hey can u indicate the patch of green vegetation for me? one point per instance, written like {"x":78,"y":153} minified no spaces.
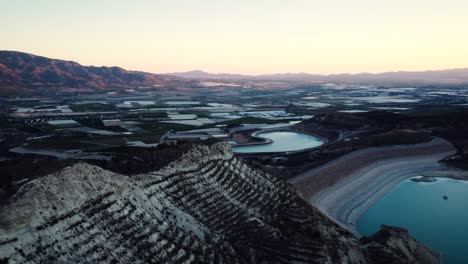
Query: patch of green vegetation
{"x":202,"y":114}
{"x":97,"y":124}
{"x":434,"y":111}
{"x":28,"y":128}
{"x":250,"y":120}
{"x":5,"y":122}
{"x":301,"y":111}
{"x":316,"y":111}
{"x":45,"y":128}
{"x":96,"y":107}
{"x":150,"y":113}
{"x":61,"y":144}
{"x":162,"y":128}
{"x":150,"y":106}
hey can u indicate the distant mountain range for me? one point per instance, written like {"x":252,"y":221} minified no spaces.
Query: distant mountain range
{"x":18,"y":69}
{"x":197,"y":74}
{"x":452,"y":76}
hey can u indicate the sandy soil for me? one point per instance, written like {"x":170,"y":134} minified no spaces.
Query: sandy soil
{"x":346,"y":187}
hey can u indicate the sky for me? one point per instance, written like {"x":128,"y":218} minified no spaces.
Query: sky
{"x":242,"y":36}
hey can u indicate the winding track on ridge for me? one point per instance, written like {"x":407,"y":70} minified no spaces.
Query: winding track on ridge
{"x":346,"y":187}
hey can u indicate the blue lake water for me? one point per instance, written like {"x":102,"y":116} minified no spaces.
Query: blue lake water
{"x":282,"y":141}
{"x":420,"y":208}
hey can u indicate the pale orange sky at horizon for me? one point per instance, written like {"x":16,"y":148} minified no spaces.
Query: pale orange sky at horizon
{"x":247,"y":37}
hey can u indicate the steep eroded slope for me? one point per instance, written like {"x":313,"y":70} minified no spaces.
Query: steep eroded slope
{"x":207,"y":207}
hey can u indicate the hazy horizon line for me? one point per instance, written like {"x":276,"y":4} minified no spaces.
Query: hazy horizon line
{"x":311,"y":73}
{"x":243,"y":74}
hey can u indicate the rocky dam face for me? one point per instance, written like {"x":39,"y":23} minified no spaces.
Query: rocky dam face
{"x":207,"y":207}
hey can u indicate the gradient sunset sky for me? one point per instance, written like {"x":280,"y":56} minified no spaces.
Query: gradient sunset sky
{"x":242,"y":36}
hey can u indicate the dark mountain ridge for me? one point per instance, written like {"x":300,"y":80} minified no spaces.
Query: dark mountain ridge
{"x":18,"y":69}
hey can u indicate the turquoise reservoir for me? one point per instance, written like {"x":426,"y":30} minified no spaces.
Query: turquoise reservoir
{"x":282,"y":141}
{"x":421,"y":208}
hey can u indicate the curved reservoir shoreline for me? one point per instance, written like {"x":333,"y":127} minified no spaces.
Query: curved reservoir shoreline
{"x":420,"y":207}
{"x":280,"y":141}
{"x":346,"y":187}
